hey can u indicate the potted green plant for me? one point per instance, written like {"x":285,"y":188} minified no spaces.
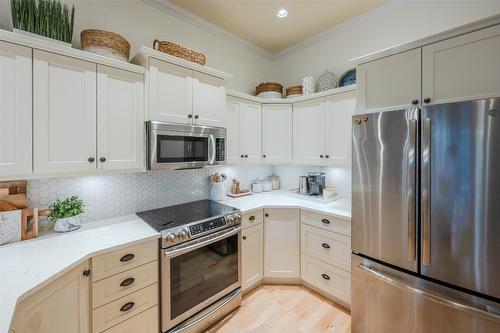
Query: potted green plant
{"x":66,"y":214}
{"x":47,"y":18}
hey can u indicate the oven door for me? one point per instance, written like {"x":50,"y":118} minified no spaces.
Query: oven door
{"x":198,"y":273}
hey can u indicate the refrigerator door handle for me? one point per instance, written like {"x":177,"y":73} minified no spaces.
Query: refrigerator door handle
{"x":439,"y":299}
{"x":412,"y":128}
{"x":426,"y":191}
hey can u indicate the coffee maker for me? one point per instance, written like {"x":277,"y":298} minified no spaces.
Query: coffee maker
{"x":316,"y":183}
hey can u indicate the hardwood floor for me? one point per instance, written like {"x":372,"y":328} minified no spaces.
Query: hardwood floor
{"x":290,"y":309}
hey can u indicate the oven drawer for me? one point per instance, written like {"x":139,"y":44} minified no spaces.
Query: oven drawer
{"x":123,"y":259}
{"x":145,"y":322}
{"x":253,"y":218}
{"x":328,"y":246}
{"x":124,"y":308}
{"x":327,"y":222}
{"x":119,"y":285}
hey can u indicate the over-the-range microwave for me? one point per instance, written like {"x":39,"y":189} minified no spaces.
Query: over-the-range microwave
{"x":177,"y":146}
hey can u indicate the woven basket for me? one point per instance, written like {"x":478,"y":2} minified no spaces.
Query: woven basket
{"x":294,"y":90}
{"x":179,"y":51}
{"x":105,"y":43}
{"x":268,"y":86}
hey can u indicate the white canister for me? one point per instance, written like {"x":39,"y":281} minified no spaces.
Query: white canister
{"x":307,"y":85}
{"x":267,"y":186}
{"x":257,"y":187}
{"x":218,"y":191}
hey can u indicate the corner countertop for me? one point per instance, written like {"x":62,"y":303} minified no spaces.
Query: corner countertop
{"x":286,"y":199}
{"x":28,"y":266}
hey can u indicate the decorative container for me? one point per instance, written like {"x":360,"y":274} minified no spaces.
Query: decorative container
{"x":327,"y":81}
{"x":308,"y":85}
{"x":179,"y":51}
{"x":105,"y":43}
{"x":67,"y":224}
{"x":348,"y":78}
{"x":269,"y":90}
{"x":293,"y":91}
{"x":218,"y":191}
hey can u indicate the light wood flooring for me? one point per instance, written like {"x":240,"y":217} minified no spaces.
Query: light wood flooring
{"x":290,"y":309}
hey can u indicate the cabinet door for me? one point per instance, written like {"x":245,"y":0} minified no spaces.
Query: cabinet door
{"x":250,"y":132}
{"x":15,"y":110}
{"x":389,"y":83}
{"x":64,"y":113}
{"x":277,"y":133}
{"x":309,"y":132}
{"x":282,"y":243}
{"x":252,"y":255}
{"x":338,"y":122}
{"x":233,"y":131}
{"x":209,"y":99}
{"x":120,"y":119}
{"x":61,"y":306}
{"x":171,"y":92}
{"x":462,"y":68}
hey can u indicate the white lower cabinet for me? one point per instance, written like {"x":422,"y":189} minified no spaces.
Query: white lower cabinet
{"x":282,"y":243}
{"x":252,"y":249}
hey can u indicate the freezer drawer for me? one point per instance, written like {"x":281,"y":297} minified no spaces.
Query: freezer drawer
{"x":388,"y":301}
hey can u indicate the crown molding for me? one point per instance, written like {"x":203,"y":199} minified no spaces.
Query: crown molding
{"x":188,"y":17}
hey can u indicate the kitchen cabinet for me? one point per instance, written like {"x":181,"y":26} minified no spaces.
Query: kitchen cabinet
{"x":61,"y":306}
{"x":462,"y":68}
{"x":282,"y":243}
{"x":243,"y":121}
{"x":120,"y":119}
{"x":277,"y":136}
{"x":64,"y":114}
{"x":390,"y":83}
{"x":309,"y":131}
{"x":209,"y":100}
{"x":15,"y":110}
{"x":252,"y":255}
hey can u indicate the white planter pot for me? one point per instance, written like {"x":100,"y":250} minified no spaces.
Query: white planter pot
{"x":67,"y":224}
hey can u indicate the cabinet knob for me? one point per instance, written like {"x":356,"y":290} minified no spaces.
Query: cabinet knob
{"x":251,"y":218}
{"x":244,"y":237}
{"x":266,"y":215}
{"x":86,"y":272}
{"x":427,"y":100}
{"x":91,"y":159}
{"x":414,"y":102}
{"x":321,"y":156}
{"x":264,"y":156}
{"x":325,"y":221}
{"x":190,"y":116}
{"x":127,"y":306}
{"x":242,"y":156}
{"x":196,"y":117}
{"x":127,"y":282}
{"x":127,"y":257}
{"x":246,"y":156}
{"x":102,"y":159}
{"x":327,"y":156}
{"x":325,"y":245}
{"x":325,"y":276}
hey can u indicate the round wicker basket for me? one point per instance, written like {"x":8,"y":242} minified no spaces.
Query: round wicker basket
{"x":179,"y":51}
{"x":268,"y":86}
{"x":294,"y":90}
{"x":105,"y":43}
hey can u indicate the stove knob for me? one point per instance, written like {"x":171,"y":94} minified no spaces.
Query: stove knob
{"x":237,"y":218}
{"x":183,"y":235}
{"x":170,"y":238}
{"x":230,"y":219}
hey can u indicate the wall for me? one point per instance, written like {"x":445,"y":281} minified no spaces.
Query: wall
{"x":391,"y":24}
{"x":141,"y":24}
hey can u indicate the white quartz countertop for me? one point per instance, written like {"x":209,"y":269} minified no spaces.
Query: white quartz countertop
{"x":286,"y":199}
{"x":27,"y":266}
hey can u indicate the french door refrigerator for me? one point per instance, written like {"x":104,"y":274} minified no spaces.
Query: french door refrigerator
{"x":426,"y":219}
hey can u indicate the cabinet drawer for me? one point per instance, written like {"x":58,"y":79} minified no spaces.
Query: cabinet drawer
{"x":332,"y":280}
{"x":328,"y":246}
{"x":145,"y":322}
{"x":119,"y":285}
{"x":327,"y":222}
{"x":250,"y":219}
{"x":120,"y":260}
{"x":124,"y":308}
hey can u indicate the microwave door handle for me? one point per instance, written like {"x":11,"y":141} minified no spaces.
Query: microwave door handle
{"x":211,"y":149}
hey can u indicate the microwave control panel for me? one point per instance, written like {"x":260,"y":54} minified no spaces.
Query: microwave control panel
{"x":220,"y":149}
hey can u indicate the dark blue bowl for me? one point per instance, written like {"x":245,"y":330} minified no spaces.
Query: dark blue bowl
{"x":348,"y":78}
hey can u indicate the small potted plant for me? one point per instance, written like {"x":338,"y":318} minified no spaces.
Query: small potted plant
{"x":66,"y":214}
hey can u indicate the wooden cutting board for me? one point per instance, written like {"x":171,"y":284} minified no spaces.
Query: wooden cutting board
{"x":15,"y":193}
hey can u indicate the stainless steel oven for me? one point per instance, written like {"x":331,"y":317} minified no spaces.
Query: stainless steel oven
{"x":177,"y":146}
{"x":201,"y":281}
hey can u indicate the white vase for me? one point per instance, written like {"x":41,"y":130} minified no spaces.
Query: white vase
{"x":67,"y":224}
{"x":218,"y":191}
{"x":308,"y":85}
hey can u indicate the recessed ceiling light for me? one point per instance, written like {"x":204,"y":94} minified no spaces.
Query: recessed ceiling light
{"x":282,"y":13}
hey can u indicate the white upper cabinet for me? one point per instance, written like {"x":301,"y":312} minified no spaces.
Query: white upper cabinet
{"x":462,"y":68}
{"x":277,"y":137}
{"x":309,"y":132}
{"x":389,"y":83}
{"x":120,"y":119}
{"x":209,"y":100}
{"x":170,"y":92}
{"x":233,"y":131}
{"x":64,"y":114}
{"x":339,"y":110}
{"x":15,"y":110}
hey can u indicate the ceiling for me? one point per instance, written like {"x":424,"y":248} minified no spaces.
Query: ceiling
{"x":256,"y":20}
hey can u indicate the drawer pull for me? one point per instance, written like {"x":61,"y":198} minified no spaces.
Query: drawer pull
{"x":325,"y":221}
{"x":325,"y":245}
{"x":127,"y":306}
{"x":127,"y":282}
{"x":325,"y":276}
{"x":127,"y":257}
{"x":251,"y":218}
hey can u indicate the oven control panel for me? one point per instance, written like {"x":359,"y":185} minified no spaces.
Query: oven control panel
{"x":207,"y":226}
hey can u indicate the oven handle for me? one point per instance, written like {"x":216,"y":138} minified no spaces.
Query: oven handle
{"x":204,"y":241}
{"x":211,"y":149}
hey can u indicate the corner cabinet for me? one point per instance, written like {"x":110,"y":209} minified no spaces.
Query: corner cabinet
{"x":61,"y":306}
{"x":252,"y":250}
{"x":277,"y":136}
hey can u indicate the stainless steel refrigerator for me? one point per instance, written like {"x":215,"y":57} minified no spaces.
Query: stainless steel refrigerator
{"x":426,"y":219}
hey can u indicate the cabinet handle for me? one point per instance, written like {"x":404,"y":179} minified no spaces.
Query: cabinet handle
{"x":264,"y":156}
{"x":325,"y":276}
{"x":266,"y":215}
{"x":91,"y":159}
{"x":190,"y":116}
{"x":327,"y":156}
{"x":244,"y":237}
{"x":242,"y":156}
{"x":321,"y":156}
{"x":251,"y":218}
{"x":326,"y":245}
{"x":127,"y":282}
{"x":127,"y":257}
{"x":196,"y":117}
{"x":427,"y":100}
{"x":127,"y":306}
{"x":86,"y":272}
{"x":325,"y":221}
{"x":102,"y":159}
{"x":246,"y":156}
{"x":414,"y":102}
